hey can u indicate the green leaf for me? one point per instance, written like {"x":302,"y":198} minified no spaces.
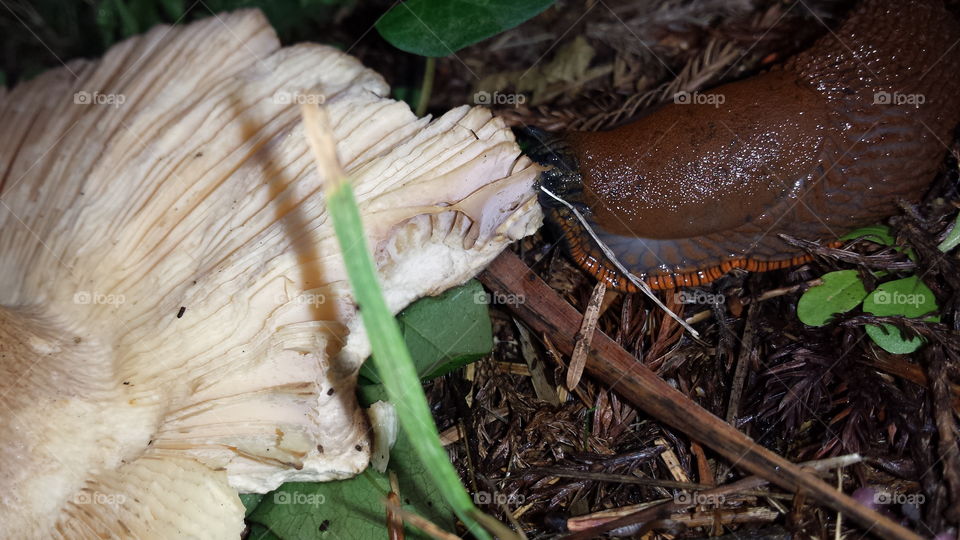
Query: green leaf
{"x":354,"y":508}
{"x":907,"y":297}
{"x":878,"y":234}
{"x":448,"y":331}
{"x":259,"y":532}
{"x":445,"y":332}
{"x":106,"y":20}
{"x":840,"y":292}
{"x":128,"y":22}
{"x":953,"y":237}
{"x":442,"y":27}
{"x":145,"y":12}
{"x":172,"y":8}
{"x":250,"y":501}
{"x":342,"y":509}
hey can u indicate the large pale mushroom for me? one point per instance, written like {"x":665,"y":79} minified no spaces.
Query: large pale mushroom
{"x":175,"y":321}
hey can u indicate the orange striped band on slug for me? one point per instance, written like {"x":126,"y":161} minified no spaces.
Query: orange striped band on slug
{"x":826,"y":142}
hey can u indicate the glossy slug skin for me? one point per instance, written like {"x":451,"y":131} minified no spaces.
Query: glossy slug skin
{"x":813,"y":148}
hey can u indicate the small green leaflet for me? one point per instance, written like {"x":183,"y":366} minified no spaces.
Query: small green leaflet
{"x":840,"y":292}
{"x":907,"y":297}
{"x":445,"y":332}
{"x":442,"y":27}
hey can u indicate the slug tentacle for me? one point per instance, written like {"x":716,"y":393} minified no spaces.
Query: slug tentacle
{"x":826,"y":142}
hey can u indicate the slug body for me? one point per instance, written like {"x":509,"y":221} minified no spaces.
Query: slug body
{"x":813,"y":148}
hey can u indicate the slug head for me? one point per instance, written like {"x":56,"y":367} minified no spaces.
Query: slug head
{"x":562,"y":177}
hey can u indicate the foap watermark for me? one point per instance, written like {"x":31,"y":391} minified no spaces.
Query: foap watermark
{"x":309,"y":499}
{"x":699,"y":498}
{"x":284,"y":97}
{"x":485,"y":497}
{"x":696,"y":98}
{"x":99,"y":498}
{"x":896,"y":298}
{"x":503,"y":299}
{"x":306,"y":299}
{"x":897,"y":98}
{"x":696,"y":296}
{"x":885,"y":497}
{"x":95,"y":298}
{"x":499,"y":98}
{"x":96,"y":98}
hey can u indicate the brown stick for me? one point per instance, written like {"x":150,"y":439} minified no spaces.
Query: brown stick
{"x":648,"y":514}
{"x":547,"y":313}
{"x":743,"y":364}
{"x":579,"y":357}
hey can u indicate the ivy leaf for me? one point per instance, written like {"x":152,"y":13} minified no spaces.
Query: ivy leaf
{"x":444,"y":332}
{"x":907,"y":297}
{"x":840,"y":292}
{"x":442,"y":27}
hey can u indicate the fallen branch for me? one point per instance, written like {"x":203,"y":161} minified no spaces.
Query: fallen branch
{"x":546,"y":313}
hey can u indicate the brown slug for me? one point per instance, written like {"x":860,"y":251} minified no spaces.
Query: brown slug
{"x":826,"y":142}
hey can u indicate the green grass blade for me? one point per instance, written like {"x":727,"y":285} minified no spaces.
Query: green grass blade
{"x":390,"y":355}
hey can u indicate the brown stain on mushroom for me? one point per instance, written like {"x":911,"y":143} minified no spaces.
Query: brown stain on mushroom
{"x":813,"y":148}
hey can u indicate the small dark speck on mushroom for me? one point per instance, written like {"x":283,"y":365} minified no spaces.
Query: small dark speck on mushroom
{"x":198,"y":154}
{"x":330,"y":391}
{"x":358,"y":448}
{"x":126,"y":383}
{"x":324,"y":525}
{"x":180,"y":313}
{"x":77,"y":339}
{"x":320,"y":448}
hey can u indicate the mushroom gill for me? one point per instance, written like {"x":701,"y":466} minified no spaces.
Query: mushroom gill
{"x":176,"y":324}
